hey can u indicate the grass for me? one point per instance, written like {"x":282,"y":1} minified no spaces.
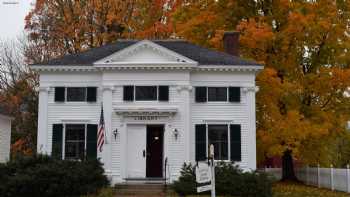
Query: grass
{"x":279,"y":190}
{"x":299,"y":190}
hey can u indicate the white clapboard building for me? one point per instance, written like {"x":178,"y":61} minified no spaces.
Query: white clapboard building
{"x":5,"y":135}
{"x":164,"y":102}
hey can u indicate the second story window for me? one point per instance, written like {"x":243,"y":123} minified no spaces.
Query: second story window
{"x":75,"y":94}
{"x":146,"y":93}
{"x":217,"y":94}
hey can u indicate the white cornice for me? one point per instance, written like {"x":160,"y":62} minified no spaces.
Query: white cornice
{"x":52,"y":68}
{"x":215,"y":68}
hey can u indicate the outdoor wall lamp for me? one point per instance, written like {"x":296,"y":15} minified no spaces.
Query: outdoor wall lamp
{"x":176,"y":133}
{"x":115,"y":133}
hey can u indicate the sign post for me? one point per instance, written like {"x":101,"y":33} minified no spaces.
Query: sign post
{"x":205,"y":174}
{"x":212,"y":170}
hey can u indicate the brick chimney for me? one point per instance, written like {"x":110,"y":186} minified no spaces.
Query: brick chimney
{"x":231,"y":42}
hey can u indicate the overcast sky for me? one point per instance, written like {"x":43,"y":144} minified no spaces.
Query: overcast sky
{"x":12,"y":14}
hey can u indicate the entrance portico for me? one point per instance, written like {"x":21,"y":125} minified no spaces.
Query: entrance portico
{"x":146,"y":130}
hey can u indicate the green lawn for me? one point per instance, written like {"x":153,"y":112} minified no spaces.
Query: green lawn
{"x":279,"y":190}
{"x":298,"y":190}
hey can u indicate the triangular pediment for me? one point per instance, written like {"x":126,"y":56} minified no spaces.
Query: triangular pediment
{"x":143,"y":53}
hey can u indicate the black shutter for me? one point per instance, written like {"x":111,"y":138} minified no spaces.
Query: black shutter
{"x":59,"y":94}
{"x":235,"y":135}
{"x":201,"y":94}
{"x":128,"y":93}
{"x":163,"y":93}
{"x":57,"y":133}
{"x":201,"y":142}
{"x":91,"y":141}
{"x":91,"y":95}
{"x":235,"y":94}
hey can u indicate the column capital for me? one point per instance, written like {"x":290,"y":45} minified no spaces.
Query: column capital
{"x":250,"y":89}
{"x":107,"y":87}
{"x":179,"y":88}
{"x":44,"y":89}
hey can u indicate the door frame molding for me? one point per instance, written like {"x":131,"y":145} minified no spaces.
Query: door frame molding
{"x":123,"y":142}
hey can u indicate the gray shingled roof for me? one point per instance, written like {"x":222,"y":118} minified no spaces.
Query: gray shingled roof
{"x":197,"y":53}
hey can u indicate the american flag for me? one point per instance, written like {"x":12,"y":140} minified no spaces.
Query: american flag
{"x":101,"y":132}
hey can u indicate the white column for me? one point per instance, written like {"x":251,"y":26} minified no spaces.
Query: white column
{"x":186,"y":120}
{"x":348,"y":178}
{"x":42,"y":141}
{"x":251,"y":153}
{"x":318,"y":176}
{"x":332,"y":177}
{"x":107,"y":108}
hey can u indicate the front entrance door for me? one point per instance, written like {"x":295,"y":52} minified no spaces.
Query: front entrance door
{"x":154,"y":161}
{"x":136,"y":151}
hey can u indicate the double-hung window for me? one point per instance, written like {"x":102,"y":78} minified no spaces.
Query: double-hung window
{"x":146,"y":93}
{"x":217,"y":94}
{"x":75,"y":94}
{"x":74,"y":141}
{"x":225,"y":138}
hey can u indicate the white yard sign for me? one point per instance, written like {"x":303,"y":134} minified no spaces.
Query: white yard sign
{"x":203,"y":172}
{"x":205,"y":175}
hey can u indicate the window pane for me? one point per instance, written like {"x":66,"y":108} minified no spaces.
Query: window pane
{"x":217,"y":135}
{"x":146,"y":93}
{"x":75,"y":141}
{"x":76,"y":94}
{"x":217,"y":94}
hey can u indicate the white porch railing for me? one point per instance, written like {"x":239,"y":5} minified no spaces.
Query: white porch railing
{"x":331,"y":178}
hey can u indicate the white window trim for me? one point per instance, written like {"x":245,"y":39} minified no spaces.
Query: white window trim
{"x":217,"y":102}
{"x":78,"y":102}
{"x":64,"y":139}
{"x":228,"y":125}
{"x":150,"y":101}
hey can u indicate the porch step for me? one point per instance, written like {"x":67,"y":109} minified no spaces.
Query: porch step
{"x":140,"y":189}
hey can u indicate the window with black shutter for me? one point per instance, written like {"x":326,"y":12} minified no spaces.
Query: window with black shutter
{"x":60,"y":94}
{"x":128,"y":93}
{"x":201,"y":94}
{"x":91,"y":95}
{"x":234,"y":94}
{"x":218,"y":136}
{"x":76,"y":94}
{"x":163,"y":93}
{"x":57,"y":137}
{"x":217,"y":93}
{"x":91,"y":141}
{"x":235,"y":135}
{"x":146,"y":93}
{"x":201,"y":142}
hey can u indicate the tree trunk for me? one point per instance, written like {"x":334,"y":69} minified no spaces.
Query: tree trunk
{"x":288,"y":167}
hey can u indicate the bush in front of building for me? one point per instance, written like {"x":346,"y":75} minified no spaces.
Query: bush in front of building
{"x":44,"y":176}
{"x":230,"y":181}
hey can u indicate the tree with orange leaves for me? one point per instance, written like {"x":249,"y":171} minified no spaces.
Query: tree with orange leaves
{"x":303,"y":102}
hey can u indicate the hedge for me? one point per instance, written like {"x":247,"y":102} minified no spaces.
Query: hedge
{"x":44,"y":176}
{"x":230,"y":181}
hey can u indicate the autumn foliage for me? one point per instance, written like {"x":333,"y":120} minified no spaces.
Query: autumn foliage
{"x":303,"y":102}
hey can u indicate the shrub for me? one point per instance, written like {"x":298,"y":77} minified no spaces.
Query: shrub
{"x":44,"y":176}
{"x":229,"y":181}
{"x":187,"y":180}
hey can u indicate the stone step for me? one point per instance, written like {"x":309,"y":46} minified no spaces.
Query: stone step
{"x":145,"y":189}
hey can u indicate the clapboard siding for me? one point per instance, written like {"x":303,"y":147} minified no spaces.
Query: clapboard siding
{"x":5,"y":138}
{"x":224,"y":112}
{"x":181,"y":95}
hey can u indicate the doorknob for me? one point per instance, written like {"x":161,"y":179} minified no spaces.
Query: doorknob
{"x":144,"y":153}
